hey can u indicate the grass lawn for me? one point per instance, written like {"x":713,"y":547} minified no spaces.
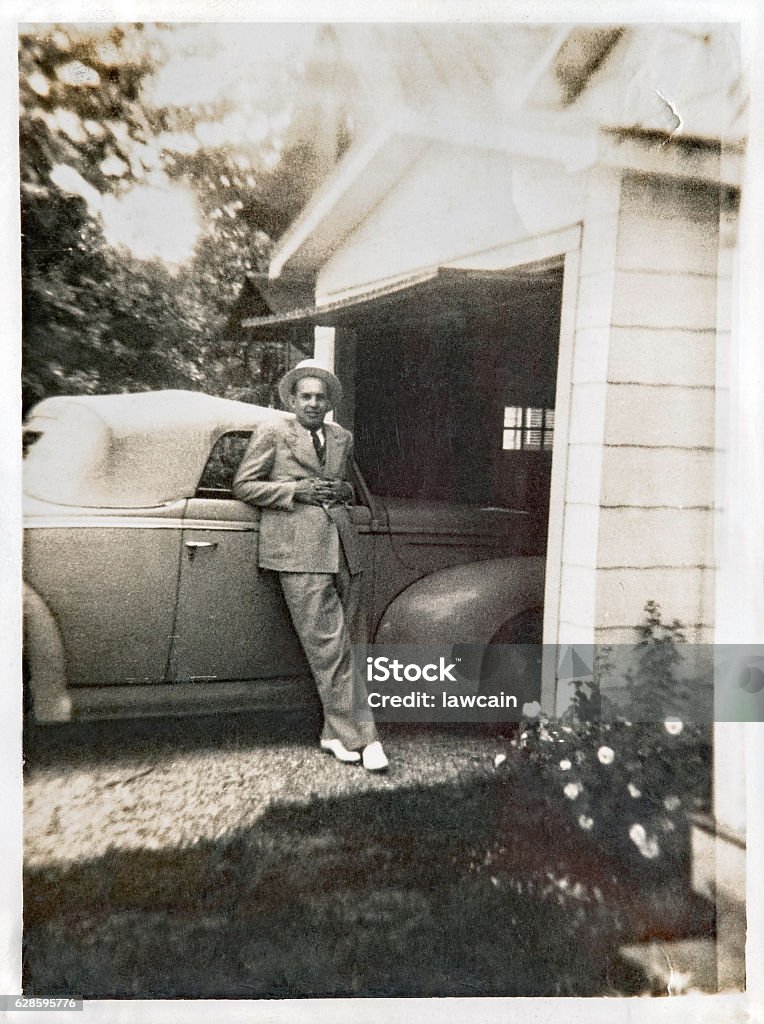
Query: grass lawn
{"x":474,"y":884}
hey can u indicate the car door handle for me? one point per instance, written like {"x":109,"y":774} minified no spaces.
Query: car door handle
{"x":193,"y":545}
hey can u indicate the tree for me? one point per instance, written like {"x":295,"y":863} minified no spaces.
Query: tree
{"x":96,"y":318}
{"x":93,"y":318}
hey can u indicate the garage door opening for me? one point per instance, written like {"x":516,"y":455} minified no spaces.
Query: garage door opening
{"x":454,"y":391}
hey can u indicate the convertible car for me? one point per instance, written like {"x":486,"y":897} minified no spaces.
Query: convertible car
{"x":142,"y":593}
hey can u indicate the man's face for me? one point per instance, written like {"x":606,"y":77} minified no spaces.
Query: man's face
{"x":310,"y":402}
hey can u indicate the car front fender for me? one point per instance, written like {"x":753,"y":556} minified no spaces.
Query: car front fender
{"x":45,"y":662}
{"x":464,"y":603}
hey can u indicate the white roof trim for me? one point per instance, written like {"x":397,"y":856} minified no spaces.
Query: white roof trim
{"x":372,"y":169}
{"x":360,"y":180}
{"x":314,"y":314}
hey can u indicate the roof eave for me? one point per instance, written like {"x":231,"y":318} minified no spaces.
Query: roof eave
{"x":357,"y":184}
{"x":372,"y":169}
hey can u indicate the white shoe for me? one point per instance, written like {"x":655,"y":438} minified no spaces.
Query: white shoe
{"x":374,"y":759}
{"x":340,"y":751}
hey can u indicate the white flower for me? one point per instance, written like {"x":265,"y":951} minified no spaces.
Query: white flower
{"x":673,"y":726}
{"x":637,"y":834}
{"x":585,"y":822}
{"x":633,"y":791}
{"x":572,"y":790}
{"x":647,"y":847}
{"x":606,"y":755}
{"x":650,"y":849}
{"x":671,"y":803}
{"x":565,"y":765}
{"x":499,"y":759}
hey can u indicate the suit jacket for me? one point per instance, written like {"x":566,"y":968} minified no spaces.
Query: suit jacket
{"x":295,"y":537}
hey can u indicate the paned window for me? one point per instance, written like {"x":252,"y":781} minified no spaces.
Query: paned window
{"x":528,"y":429}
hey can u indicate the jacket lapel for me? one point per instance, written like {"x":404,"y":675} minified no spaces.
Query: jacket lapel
{"x":335,"y":452}
{"x":301,"y":444}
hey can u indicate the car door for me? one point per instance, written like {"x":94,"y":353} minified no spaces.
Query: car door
{"x":231,"y":621}
{"x":109,"y":579}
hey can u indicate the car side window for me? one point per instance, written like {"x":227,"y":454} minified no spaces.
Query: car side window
{"x":225,"y":458}
{"x":217,"y":479}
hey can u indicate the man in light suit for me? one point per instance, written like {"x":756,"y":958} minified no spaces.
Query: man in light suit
{"x":294,"y":470}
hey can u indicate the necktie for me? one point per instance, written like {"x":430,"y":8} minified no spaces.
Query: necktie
{"x":318,"y":445}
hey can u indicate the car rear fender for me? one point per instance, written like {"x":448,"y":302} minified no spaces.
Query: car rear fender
{"x":464,"y":603}
{"x":45,"y":662}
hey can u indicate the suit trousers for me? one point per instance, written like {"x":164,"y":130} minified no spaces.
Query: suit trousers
{"x":326,"y":613}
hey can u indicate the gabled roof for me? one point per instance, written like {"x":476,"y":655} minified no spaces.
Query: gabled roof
{"x":587,"y":89}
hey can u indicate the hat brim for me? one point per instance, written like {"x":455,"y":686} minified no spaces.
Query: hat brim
{"x":290,"y":378}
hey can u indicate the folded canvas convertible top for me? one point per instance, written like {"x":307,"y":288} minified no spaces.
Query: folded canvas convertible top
{"x":128,"y":451}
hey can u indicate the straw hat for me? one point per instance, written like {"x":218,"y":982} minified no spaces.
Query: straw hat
{"x":310,"y":368}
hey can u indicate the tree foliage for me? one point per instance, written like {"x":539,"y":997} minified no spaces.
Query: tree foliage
{"x":96,"y":318}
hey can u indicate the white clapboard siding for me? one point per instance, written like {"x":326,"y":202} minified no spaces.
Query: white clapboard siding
{"x":640,"y":537}
{"x":686,"y":594}
{"x":664,"y":301}
{"x":649,"y":537}
{"x":694,"y":633}
{"x":659,"y":416}
{"x":641,"y":355}
{"x":669,"y":226}
{"x":640,"y":496}
{"x":650,"y":477}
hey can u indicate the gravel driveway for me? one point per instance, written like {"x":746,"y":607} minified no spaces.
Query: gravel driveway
{"x":229,"y":857}
{"x":159,"y":783}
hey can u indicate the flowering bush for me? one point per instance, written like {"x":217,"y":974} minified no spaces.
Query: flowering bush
{"x":631,"y":784}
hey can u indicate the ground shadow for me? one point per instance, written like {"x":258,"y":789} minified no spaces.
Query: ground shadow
{"x":79,"y":744}
{"x":482,"y":887}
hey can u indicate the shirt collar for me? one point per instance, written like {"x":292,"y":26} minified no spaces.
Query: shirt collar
{"x":321,"y":431}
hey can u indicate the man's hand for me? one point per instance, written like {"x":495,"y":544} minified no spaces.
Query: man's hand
{"x":336,"y":490}
{"x":306,"y":492}
{"x":315,"y":491}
